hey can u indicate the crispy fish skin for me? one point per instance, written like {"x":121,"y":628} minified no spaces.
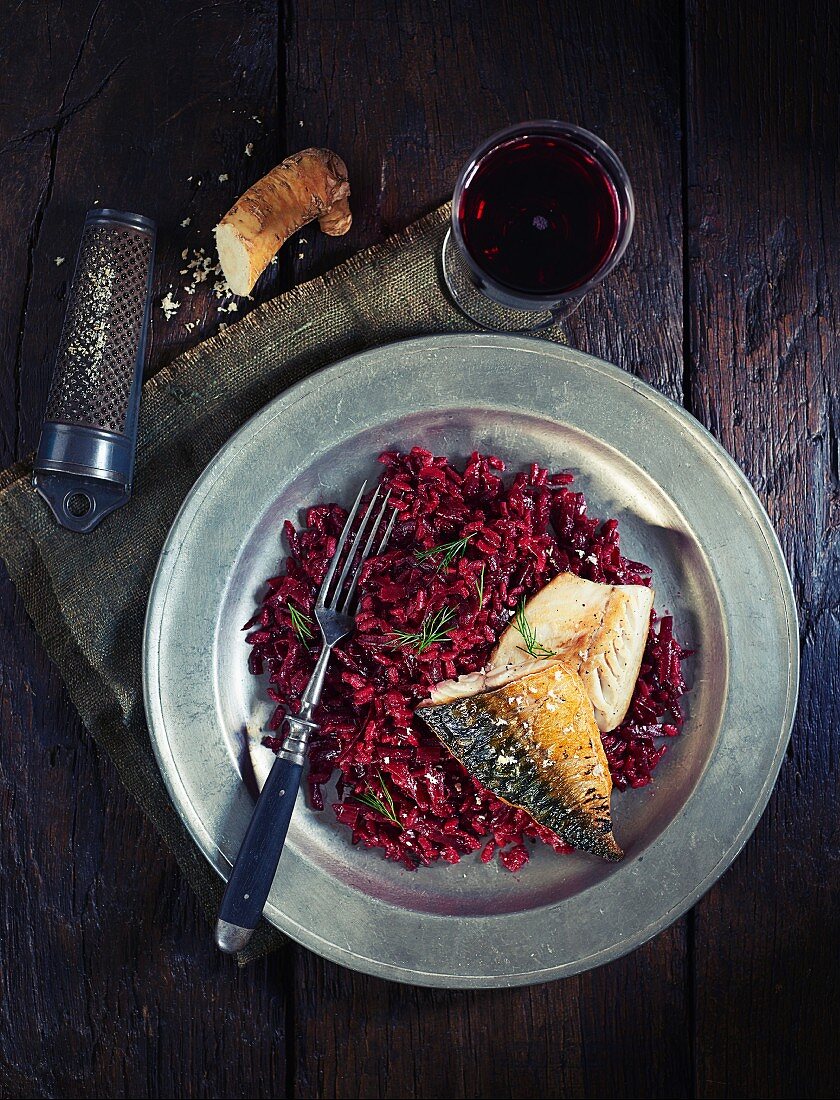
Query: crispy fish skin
{"x":534,"y":743}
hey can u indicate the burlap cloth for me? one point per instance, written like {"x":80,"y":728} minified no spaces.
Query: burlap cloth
{"x":86,"y":594}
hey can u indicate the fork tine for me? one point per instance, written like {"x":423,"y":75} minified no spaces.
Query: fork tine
{"x":354,"y":580}
{"x":387,"y":534}
{"x":345,"y":531}
{"x":354,"y":546}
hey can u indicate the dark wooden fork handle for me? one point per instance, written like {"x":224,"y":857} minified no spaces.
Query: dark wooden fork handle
{"x":256,"y":864}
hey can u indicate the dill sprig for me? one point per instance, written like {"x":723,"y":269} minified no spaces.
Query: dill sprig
{"x":384,"y":805}
{"x":301,"y":623}
{"x":479,"y":587}
{"x":449,"y":550}
{"x":529,"y":635}
{"x":434,"y":629}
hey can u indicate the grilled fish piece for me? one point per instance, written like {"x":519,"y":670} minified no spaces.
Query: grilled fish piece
{"x":534,"y":744}
{"x":598,"y":629}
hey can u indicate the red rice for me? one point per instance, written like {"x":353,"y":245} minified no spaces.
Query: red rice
{"x":521,"y":535}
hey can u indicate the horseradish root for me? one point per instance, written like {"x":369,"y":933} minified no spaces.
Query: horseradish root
{"x":311,"y":184}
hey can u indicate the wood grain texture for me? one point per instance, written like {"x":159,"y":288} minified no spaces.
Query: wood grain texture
{"x":763,"y":233}
{"x":109,"y":985}
{"x":404,"y":98}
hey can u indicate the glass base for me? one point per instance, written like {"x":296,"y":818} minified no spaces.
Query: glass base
{"x":486,"y":312}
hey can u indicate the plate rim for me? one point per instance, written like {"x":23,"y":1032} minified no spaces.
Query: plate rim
{"x":323,"y":377}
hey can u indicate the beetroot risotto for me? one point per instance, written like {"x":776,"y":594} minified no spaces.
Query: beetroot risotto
{"x":398,"y":787}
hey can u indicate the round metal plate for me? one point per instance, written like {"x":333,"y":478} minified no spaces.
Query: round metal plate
{"x":684,"y":507}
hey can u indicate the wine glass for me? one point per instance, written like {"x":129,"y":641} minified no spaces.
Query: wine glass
{"x":541,"y":213}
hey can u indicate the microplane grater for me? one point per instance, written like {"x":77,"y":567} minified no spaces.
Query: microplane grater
{"x":85,"y":459}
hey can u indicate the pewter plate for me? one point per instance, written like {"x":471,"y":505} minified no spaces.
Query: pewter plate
{"x":684,"y":507}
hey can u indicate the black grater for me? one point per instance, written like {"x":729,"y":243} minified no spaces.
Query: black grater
{"x":85,"y":459}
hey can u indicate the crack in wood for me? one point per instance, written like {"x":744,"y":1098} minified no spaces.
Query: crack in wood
{"x":32,"y":245}
{"x":62,"y":118}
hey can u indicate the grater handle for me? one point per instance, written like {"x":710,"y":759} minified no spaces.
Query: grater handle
{"x":79,"y":502}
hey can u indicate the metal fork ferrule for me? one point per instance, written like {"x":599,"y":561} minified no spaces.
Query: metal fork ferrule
{"x":297,"y":739}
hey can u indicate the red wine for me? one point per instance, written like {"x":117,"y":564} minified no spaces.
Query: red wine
{"x":540,"y":215}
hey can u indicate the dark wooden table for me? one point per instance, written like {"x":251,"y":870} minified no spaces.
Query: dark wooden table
{"x":726,"y":115}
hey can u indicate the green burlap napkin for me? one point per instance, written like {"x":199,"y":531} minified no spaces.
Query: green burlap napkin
{"x":87,"y":594}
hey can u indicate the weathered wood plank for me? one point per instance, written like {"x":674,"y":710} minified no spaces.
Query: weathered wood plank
{"x":763,"y":230}
{"x":109,"y":985}
{"x":404,"y":94}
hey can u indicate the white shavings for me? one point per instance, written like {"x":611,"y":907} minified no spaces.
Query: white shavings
{"x":300,"y":123}
{"x":591,"y":558}
{"x":200,"y":265}
{"x":300,"y":256}
{"x":550,"y":706}
{"x":222,"y":326}
{"x":224,"y":177}
{"x":507,"y":760}
{"x":169,"y":306}
{"x":199,"y":268}
{"x":59,"y":260}
{"x":249,"y":149}
{"x":257,"y":119}
{"x":185,"y":222}
{"x":190,"y":325}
